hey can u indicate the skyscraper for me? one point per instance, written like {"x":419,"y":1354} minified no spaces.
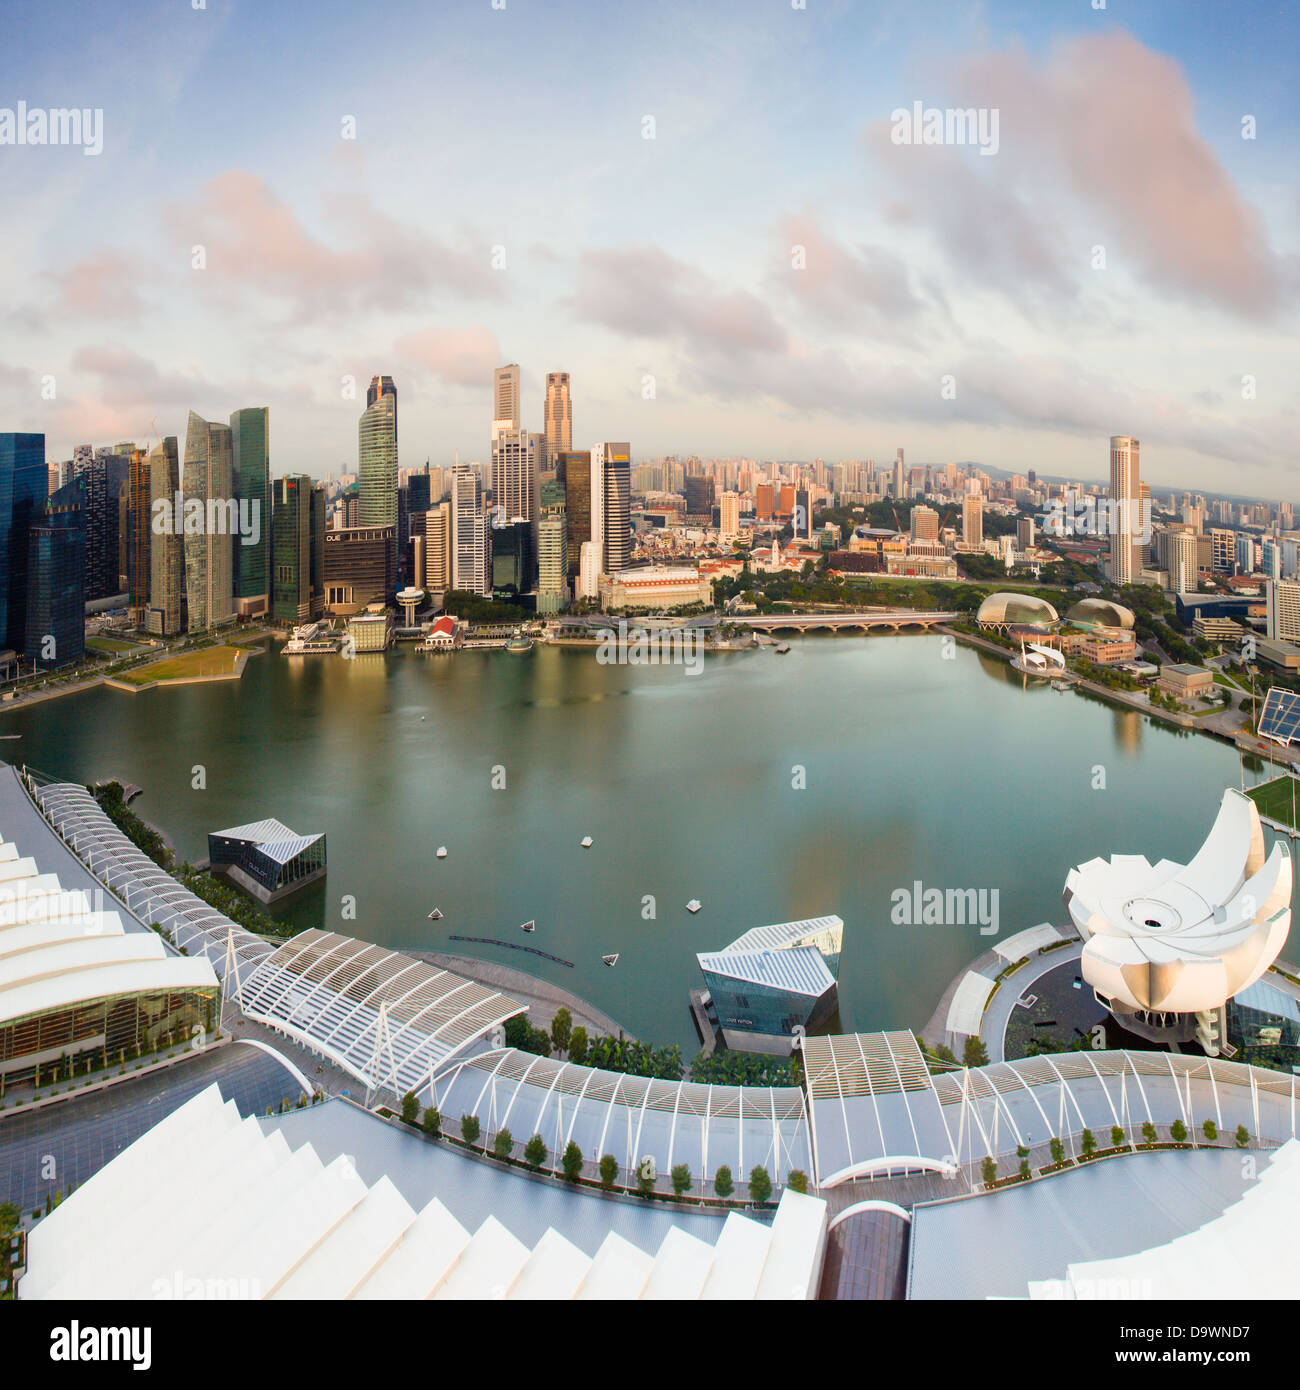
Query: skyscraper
{"x":166,"y":613}
{"x":505,"y":399}
{"x":470,"y":560}
{"x":138,"y":552}
{"x":899,"y":484}
{"x":24,"y":486}
{"x":56,"y":580}
{"x":516,"y":463}
{"x":209,"y":476}
{"x":1126,"y":522}
{"x":90,"y":467}
{"x":972,"y":520}
{"x":730,"y":517}
{"x":552,"y":563}
{"x":573,"y":469}
{"x":615,"y":470}
{"x":251,"y":453}
{"x":1182,"y":562}
{"x":377,"y":457}
{"x":558,"y":421}
{"x":291,"y":589}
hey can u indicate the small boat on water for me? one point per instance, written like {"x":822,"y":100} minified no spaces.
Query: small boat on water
{"x":587,"y":842}
{"x":693,"y":905}
{"x":436,"y":915}
{"x":529,"y":926}
{"x":611,"y":960}
{"x":442,"y":851}
{"x":782,"y":648}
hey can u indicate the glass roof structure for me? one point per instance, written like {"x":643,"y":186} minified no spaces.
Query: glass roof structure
{"x":1279,"y":720}
{"x":631,"y":1117}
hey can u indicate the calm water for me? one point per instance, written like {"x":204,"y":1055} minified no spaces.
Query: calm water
{"x":916,"y":767}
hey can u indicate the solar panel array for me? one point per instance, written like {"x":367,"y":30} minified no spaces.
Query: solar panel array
{"x":1280,"y":717}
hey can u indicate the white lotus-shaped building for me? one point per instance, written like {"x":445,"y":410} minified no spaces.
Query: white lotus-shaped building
{"x":1175,"y":938}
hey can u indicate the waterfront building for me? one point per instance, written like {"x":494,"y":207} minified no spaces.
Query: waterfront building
{"x":208,"y":477}
{"x":296,"y":595}
{"x":56,"y":580}
{"x":266,"y":858}
{"x":589,"y":571}
{"x":358,"y":568}
{"x":1185,"y":682}
{"x":1100,"y":612}
{"x":431,"y":548}
{"x":24,"y":486}
{"x":655,"y":586}
{"x":377,"y":459}
{"x":574,"y":471}
{"x":251,"y":462}
{"x":511,"y":557}
{"x":471,"y":556}
{"x":1007,"y":610}
{"x":774,"y":983}
{"x":371,"y":631}
{"x":516,"y":463}
{"x":166,"y":615}
{"x":552,"y":563}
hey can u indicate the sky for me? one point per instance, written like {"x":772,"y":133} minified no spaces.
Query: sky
{"x":699,"y":210}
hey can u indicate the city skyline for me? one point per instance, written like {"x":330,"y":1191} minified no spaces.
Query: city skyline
{"x":915,"y":263}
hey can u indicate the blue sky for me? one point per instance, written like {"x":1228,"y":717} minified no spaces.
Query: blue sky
{"x":518,"y":133}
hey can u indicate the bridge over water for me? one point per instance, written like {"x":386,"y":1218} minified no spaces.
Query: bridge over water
{"x":893,"y":619}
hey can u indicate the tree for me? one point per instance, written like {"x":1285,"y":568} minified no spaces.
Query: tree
{"x":561,"y":1029}
{"x":1211,"y":1130}
{"x":1088,"y":1143}
{"x":469,"y":1128}
{"x":760,"y":1184}
{"x":410,"y":1108}
{"x":1178,"y":1132}
{"x":571,"y":1161}
{"x":646,"y":1177}
{"x":974,"y":1053}
{"x":722,"y":1183}
{"x":1149,"y":1132}
{"x":9,"y":1218}
{"x":681,"y":1176}
{"x":797,"y":1179}
{"x":578,"y":1045}
{"x":535,"y":1151}
{"x":989,"y":1171}
{"x":1058,"y":1150}
{"x":504,"y":1144}
{"x":432,"y":1122}
{"x":608,"y":1171}
{"x":1242,"y":1136}
{"x":1023,"y":1170}
{"x":1116,"y":1135}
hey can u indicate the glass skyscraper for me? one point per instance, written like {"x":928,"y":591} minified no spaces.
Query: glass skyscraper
{"x":56,"y":580}
{"x":24,"y":485}
{"x":209,"y":470}
{"x":166,"y":614}
{"x":250,"y":435}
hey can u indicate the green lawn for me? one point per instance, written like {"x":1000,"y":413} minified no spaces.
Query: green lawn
{"x":1229,"y":682}
{"x":110,"y":644}
{"x":1274,"y":798}
{"x":208,"y":661}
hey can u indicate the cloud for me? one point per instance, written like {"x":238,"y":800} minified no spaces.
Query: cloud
{"x":643,"y":292}
{"x":104,"y":286}
{"x":126,"y":376}
{"x":254,"y":240}
{"x":461,"y":357}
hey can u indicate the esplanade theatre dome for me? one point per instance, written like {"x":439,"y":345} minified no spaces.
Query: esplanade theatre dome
{"x":1015,"y":610}
{"x":1100,"y":612}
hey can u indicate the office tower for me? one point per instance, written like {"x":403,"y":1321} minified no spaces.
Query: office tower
{"x":512,"y":559}
{"x":899,"y":483}
{"x":972,"y":520}
{"x":552,"y":563}
{"x":1245,"y":554}
{"x":925,"y":524}
{"x":138,"y":554}
{"x":589,"y":570}
{"x":357,"y":567}
{"x":558,"y":421}
{"x":403,"y":537}
{"x":616,"y":510}
{"x":165,"y":616}
{"x":91,"y":469}
{"x":765,"y":502}
{"x":505,"y":399}
{"x":56,"y":581}
{"x":419,"y":492}
{"x":1270,"y":558}
{"x":470,"y":555}
{"x":431,"y":548}
{"x":1182,"y":562}
{"x":802,"y":514}
{"x":382,"y":386}
{"x":209,"y":477}
{"x":1126,"y":509}
{"x":291,"y":545}
{"x":1025,"y":533}
{"x":377,"y":458}
{"x":350,"y":508}
{"x":24,"y":486}
{"x":574,"y":470}
{"x":785,"y":501}
{"x":1283,"y":611}
{"x":730,"y":517}
{"x":516,"y":464}
{"x":1222,"y":550}
{"x":699,"y":496}
{"x":250,"y":442}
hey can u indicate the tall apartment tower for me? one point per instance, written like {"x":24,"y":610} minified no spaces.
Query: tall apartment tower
{"x":505,"y":399}
{"x":729,"y":518}
{"x":250,"y":440}
{"x":1182,"y":562}
{"x":1126,"y":526}
{"x":613,"y":464}
{"x":470,"y":556}
{"x":209,"y":476}
{"x":165,"y":616}
{"x":558,"y":421}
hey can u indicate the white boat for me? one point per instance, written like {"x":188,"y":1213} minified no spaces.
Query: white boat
{"x":529,"y":926}
{"x":442,"y":851}
{"x":611,"y":960}
{"x":436,"y":915}
{"x":693,"y":905}
{"x":587,"y":842}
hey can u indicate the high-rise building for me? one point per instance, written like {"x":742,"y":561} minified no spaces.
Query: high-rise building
{"x":382,"y":386}
{"x":431,"y":548}
{"x":925,"y":524}
{"x":616,"y":512}
{"x":56,"y":580}
{"x":574,"y":470}
{"x":729,"y":517}
{"x":1126,"y":520}
{"x":699,"y":496}
{"x":1283,"y":611}
{"x":899,"y":483}
{"x":1182,"y":562}
{"x":419,"y":491}
{"x":291,"y":587}
{"x":166,"y":613}
{"x":138,"y":554}
{"x":358,"y":567}
{"x":1270,"y":558}
{"x":471,"y":556}
{"x":512,"y":560}
{"x":552,"y":563}
{"x":377,"y":458}
{"x":1025,"y":533}
{"x":251,"y":454}
{"x":516,"y":464}
{"x":1245,"y":554}
{"x":558,"y":422}
{"x":765,"y":502}
{"x":505,"y":399}
{"x":209,"y":477}
{"x":802,"y":514}
{"x":1222,"y":550}
{"x":589,"y":570}
{"x":24,"y":486}
{"x":972,"y":520}
{"x":91,"y":469}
